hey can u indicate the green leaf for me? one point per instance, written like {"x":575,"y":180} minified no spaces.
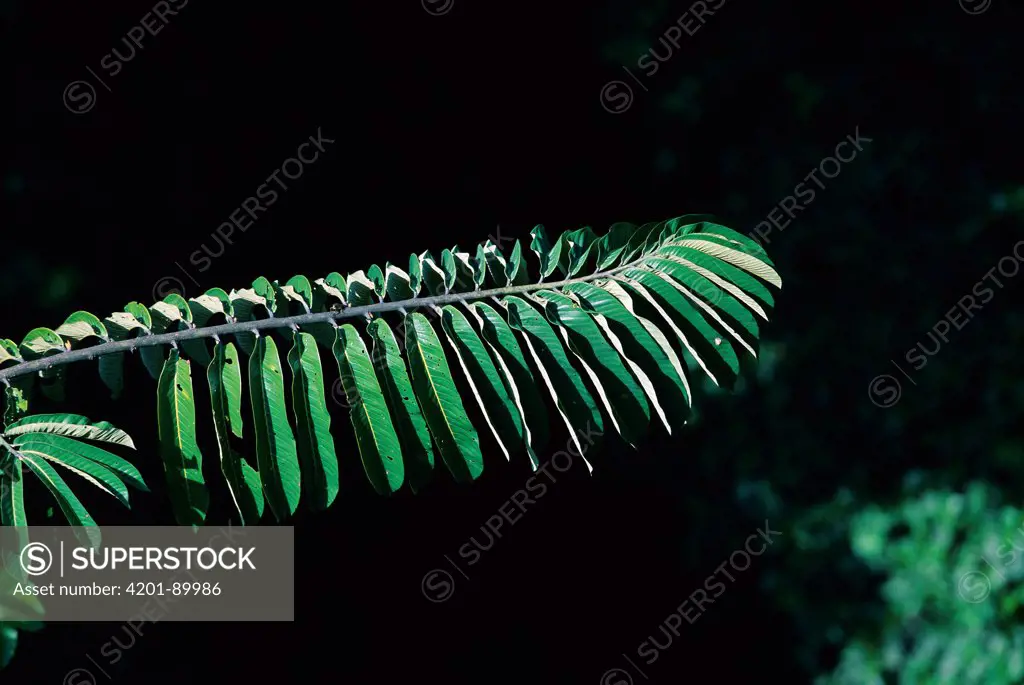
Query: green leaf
{"x":709,"y":349}
{"x":336,"y":281}
{"x":298,"y":289}
{"x":415,"y":275}
{"x":752,"y":263}
{"x":457,"y":441}
{"x":171,"y":314}
{"x":294,"y":298}
{"x":87,"y":469}
{"x":552,"y":256}
{"x":379,"y":447}
{"x":41,"y":342}
{"x":360,"y":289}
{"x":56,"y":444}
{"x":582,"y":250}
{"x":9,"y":354}
{"x":328,"y":291}
{"x":636,"y":243}
{"x":166,"y":316}
{"x":676,"y":227}
{"x":516,"y":272}
{"x":643,"y":343}
{"x":700,"y":314}
{"x":448,"y":268}
{"x":376,"y":276}
{"x":85,"y":527}
{"x":248,"y":305}
{"x":265,"y":289}
{"x":122,"y":326}
{"x":611,"y":247}
{"x":515,"y":374}
{"x":621,"y":395}
{"x":417,"y":454}
{"x":466,"y":273}
{"x":224,"y":375}
{"x":478,"y":262}
{"x":214,"y":303}
{"x":433,"y":275}
{"x":397,"y":283}
{"x":12,"y":493}
{"x":494,"y":261}
{"x":711,"y":300}
{"x":319,"y":464}
{"x":499,"y":411}
{"x":12,"y":498}
{"x":70,"y":425}
{"x":276,"y":451}
{"x":736,"y":281}
{"x":231,"y":377}
{"x":709,"y":230}
{"x":219,"y":294}
{"x":575,"y":404}
{"x":140,"y":313}
{"x":182,"y":460}
{"x":82,"y":325}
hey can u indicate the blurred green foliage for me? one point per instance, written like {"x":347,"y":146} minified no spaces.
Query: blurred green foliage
{"x":952,"y":591}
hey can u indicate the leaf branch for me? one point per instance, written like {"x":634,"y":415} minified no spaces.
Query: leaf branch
{"x":173,"y":338}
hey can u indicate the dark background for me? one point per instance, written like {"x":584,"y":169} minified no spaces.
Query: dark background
{"x":447,"y":127}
